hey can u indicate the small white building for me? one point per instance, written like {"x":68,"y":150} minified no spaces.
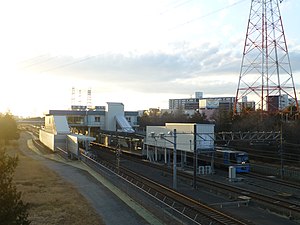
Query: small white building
{"x":189,"y":138}
{"x":55,"y":132}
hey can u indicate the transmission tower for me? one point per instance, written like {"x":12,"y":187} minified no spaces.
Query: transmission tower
{"x":89,"y":98}
{"x":266,"y":75}
{"x":73,"y":97}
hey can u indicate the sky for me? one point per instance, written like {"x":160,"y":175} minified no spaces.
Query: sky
{"x":138,"y":52}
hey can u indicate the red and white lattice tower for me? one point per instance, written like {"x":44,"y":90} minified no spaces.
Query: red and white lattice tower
{"x":73,"y":97}
{"x":266,"y":75}
{"x":89,"y":98}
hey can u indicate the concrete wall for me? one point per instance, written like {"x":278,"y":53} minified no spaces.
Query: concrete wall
{"x":47,"y":139}
{"x":72,"y":145}
{"x":52,"y":141}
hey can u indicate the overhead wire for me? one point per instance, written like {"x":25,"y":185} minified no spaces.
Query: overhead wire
{"x":32,"y":59}
{"x":171,"y":6}
{"x":208,"y":14}
{"x":175,"y":27}
{"x":68,"y":64}
{"x":39,"y":62}
{"x":175,"y":7}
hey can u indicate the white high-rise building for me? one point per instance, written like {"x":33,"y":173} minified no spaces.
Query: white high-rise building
{"x":199,"y":94}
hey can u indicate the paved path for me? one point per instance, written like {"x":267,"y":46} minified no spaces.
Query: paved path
{"x":113,"y":205}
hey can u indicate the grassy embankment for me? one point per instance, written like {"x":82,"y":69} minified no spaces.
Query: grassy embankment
{"x":52,"y":200}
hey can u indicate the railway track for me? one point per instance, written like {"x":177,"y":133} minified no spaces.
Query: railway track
{"x":272,"y":180}
{"x":282,"y":206}
{"x":192,"y":210}
{"x":285,"y":207}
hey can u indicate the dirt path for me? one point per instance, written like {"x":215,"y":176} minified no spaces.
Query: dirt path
{"x":52,"y":200}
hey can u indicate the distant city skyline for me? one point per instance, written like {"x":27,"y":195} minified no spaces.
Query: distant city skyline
{"x":140,"y":53}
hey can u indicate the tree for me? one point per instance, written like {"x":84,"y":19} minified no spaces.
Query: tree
{"x":12,"y":209}
{"x":8,"y":128}
{"x":256,"y":121}
{"x":197,"y":117}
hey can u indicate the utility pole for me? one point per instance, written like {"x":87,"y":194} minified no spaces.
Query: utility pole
{"x":175,"y":161}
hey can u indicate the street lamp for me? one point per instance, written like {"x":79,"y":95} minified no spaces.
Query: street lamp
{"x":174,"y":142}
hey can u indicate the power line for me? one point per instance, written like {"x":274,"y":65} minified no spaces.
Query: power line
{"x":175,"y":7}
{"x":91,"y":57}
{"x":39,"y":62}
{"x":32,"y":59}
{"x":67,"y":64}
{"x":208,"y":14}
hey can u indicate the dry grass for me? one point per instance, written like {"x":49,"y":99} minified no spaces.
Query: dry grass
{"x":52,"y":200}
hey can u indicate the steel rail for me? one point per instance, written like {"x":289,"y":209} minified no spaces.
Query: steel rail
{"x":290,"y":209}
{"x":272,"y":180}
{"x":190,"y":208}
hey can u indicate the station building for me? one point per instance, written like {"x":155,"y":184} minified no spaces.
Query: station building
{"x":74,"y":127}
{"x":109,"y":118}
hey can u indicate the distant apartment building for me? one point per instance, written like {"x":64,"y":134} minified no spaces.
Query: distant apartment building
{"x":201,"y":103}
{"x":186,"y":103}
{"x":277,"y":102}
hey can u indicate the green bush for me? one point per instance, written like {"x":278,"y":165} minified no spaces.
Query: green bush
{"x":12,"y":209}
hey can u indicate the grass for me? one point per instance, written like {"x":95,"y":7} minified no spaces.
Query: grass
{"x":52,"y":200}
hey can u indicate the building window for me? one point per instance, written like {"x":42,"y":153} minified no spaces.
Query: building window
{"x":97,"y":119}
{"x":75,"y":120}
{"x":128,"y":119}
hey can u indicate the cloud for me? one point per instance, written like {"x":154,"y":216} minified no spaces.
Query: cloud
{"x":180,"y":69}
{"x":295,"y":60}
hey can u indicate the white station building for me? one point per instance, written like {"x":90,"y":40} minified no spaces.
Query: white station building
{"x":59,"y":123}
{"x":110,"y":118}
{"x":189,"y":138}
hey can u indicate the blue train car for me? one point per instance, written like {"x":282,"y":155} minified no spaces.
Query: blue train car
{"x":229,"y":157}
